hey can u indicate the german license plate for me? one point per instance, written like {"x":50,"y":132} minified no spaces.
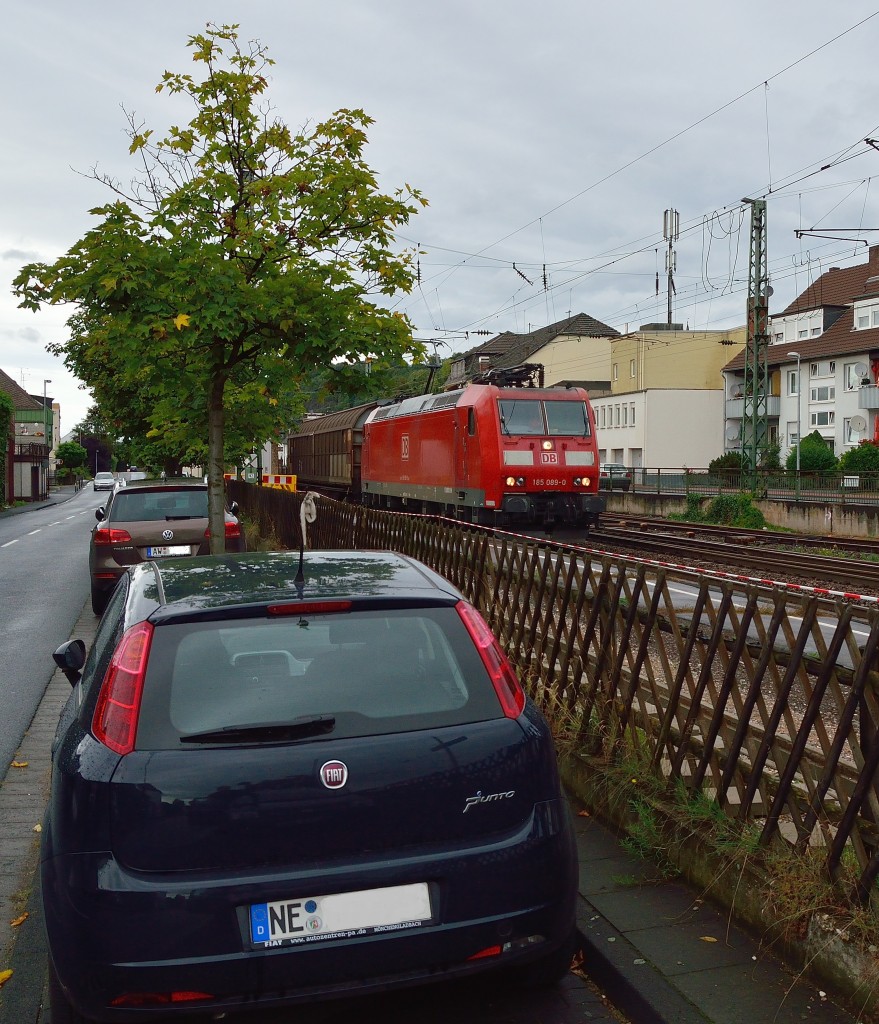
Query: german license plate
{"x":343,"y":915}
{"x":167,"y":551}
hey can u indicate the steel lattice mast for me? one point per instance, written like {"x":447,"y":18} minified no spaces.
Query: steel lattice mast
{"x":755,"y":414}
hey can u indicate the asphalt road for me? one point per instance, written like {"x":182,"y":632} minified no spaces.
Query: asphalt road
{"x":43,"y":584}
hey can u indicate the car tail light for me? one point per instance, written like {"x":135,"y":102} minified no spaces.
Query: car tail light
{"x":105,"y":536}
{"x":506,"y":683}
{"x":158,"y":998}
{"x":233,"y":529}
{"x":488,"y":951}
{"x":115,"y":719}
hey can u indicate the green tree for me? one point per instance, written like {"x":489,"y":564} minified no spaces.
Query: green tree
{"x":71,"y":455}
{"x":242,"y":256}
{"x":815,"y":456}
{"x":7,"y":411}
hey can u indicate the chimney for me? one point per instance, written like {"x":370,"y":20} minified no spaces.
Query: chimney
{"x":874,"y":259}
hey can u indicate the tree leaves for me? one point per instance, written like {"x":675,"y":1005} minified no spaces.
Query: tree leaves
{"x":272,"y":240}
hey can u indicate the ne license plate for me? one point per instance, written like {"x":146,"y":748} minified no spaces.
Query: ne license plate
{"x":343,"y":915}
{"x":167,"y":551}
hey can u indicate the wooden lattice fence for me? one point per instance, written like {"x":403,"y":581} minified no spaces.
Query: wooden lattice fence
{"x":761,"y":700}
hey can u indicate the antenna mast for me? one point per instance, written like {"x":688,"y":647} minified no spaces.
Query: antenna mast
{"x":671,"y":232}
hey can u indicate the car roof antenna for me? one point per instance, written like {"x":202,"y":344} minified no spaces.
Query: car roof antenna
{"x":307,"y":514}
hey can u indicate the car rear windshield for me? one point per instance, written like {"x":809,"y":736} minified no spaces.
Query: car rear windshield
{"x":145,"y":506}
{"x":360,"y":673}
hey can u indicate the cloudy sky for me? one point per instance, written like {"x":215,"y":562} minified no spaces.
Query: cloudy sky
{"x":551,"y":136}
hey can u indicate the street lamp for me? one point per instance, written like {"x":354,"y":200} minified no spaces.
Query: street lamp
{"x":46,"y":429}
{"x":796,"y":355}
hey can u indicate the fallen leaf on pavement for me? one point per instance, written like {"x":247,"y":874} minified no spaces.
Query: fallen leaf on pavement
{"x":707,"y":938}
{"x":584,"y":814}
{"x":19,"y":764}
{"x":38,"y":828}
{"x":20,"y":920}
{"x":4,"y":977}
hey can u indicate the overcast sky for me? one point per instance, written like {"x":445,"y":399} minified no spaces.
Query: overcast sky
{"x":548,"y":135}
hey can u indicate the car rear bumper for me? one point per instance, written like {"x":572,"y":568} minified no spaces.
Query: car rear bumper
{"x":112,"y":931}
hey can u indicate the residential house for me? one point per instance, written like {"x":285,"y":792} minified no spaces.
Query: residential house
{"x":29,"y":445}
{"x":575,"y":350}
{"x":829,"y":336}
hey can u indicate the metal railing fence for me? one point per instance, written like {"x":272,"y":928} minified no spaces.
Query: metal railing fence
{"x":764,"y":702}
{"x":832,"y":487}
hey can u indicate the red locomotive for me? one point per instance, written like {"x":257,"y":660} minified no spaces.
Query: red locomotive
{"x":487,"y":453}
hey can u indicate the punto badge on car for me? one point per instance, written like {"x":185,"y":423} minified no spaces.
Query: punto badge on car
{"x":334,"y":774}
{"x":167,"y":535}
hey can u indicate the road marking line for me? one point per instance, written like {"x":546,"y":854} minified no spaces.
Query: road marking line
{"x":35,"y":531}
{"x":7,"y":544}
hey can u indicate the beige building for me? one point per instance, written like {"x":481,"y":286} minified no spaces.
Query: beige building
{"x":666,"y":407}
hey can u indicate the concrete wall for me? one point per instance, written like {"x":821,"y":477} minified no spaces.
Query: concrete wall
{"x":833,"y":520}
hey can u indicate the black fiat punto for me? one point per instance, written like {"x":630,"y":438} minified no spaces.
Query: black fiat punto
{"x":277,"y":782}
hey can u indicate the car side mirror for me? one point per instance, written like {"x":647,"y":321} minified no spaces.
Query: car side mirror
{"x":233,"y":508}
{"x":100,"y":513}
{"x":70,"y":657}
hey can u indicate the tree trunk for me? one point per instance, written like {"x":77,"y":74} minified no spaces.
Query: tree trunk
{"x":216,"y":465}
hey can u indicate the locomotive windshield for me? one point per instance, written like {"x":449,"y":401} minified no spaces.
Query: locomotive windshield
{"x":532,"y":416}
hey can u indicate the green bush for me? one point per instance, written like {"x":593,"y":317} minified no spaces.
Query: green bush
{"x":815,"y":456}
{"x":863,"y":459}
{"x":729,"y":461}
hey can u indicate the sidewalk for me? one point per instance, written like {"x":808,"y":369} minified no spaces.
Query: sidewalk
{"x":664,"y":955}
{"x":57,"y":495}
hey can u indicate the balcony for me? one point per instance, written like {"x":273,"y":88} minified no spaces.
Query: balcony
{"x":735,"y":407}
{"x":868,"y":397}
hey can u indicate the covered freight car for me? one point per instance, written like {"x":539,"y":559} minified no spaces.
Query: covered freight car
{"x":325,"y":452}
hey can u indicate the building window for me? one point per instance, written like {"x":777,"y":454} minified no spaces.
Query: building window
{"x":602,"y":415}
{"x":863,"y":321}
{"x":631,"y":367}
{"x":822,"y":419}
{"x":616,"y":371}
{"x":875,"y":318}
{"x":816,"y":331}
{"x":632,"y":414}
{"x":831,"y":367}
{"x":813,"y":369}
{"x":849,"y":435}
{"x":793,"y":437}
{"x":825,"y":393}
{"x":802,"y":334}
{"x":793,"y":385}
{"x":851,"y":379}
{"x":625,"y":415}
{"x":616,"y":415}
{"x":779,"y":338}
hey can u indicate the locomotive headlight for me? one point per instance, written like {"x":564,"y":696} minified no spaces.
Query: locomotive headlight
{"x":510,"y":481}
{"x":547,"y":446}
{"x":581,"y":481}
{"x":520,"y":481}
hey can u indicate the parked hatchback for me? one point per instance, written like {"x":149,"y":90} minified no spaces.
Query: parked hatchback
{"x":275,"y":784}
{"x":152,"y":519}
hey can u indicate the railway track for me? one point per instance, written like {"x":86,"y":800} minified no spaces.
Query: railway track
{"x":687,"y":544}
{"x":769,"y":538}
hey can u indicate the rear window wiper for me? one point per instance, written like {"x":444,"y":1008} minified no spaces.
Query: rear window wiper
{"x":310,"y":725}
